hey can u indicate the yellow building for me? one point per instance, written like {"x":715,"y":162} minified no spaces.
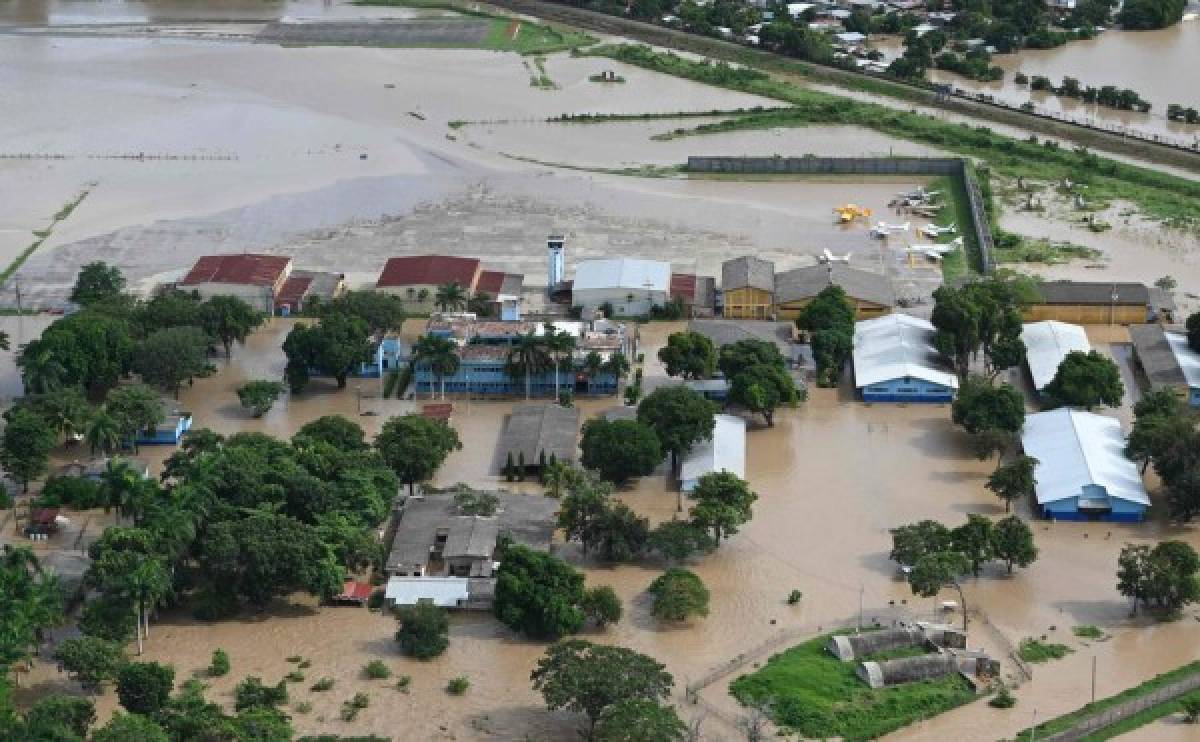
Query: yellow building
{"x":1099,"y":303}
{"x":748,"y":284}
{"x":871,"y":293}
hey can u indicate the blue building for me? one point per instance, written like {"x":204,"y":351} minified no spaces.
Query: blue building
{"x":390,"y":355}
{"x":483,"y":359}
{"x":168,"y":432}
{"x":1082,"y":471}
{"x":895,"y":361}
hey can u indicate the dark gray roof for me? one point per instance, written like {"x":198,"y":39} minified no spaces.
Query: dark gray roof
{"x":536,"y":428}
{"x":726,"y":331}
{"x":706,"y":292}
{"x":749,"y":271}
{"x":1156,"y":357}
{"x":471,"y":536}
{"x":1094,"y":292}
{"x":805,"y":283}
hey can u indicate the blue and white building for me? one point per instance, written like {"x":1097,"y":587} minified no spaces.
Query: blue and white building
{"x":1082,"y":471}
{"x":168,"y":432}
{"x":895,"y":361}
{"x":391,"y":354}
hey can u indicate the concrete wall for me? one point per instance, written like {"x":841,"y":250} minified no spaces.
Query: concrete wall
{"x":262,"y":298}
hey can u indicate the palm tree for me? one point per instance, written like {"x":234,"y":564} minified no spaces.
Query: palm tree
{"x":558,"y":344}
{"x":450,"y":296}
{"x":41,"y":372}
{"x":102,"y":432}
{"x":147,"y":585}
{"x":442,"y":356}
{"x":527,"y":356}
{"x":593,"y":364}
{"x":120,"y":486}
{"x":617,"y":365}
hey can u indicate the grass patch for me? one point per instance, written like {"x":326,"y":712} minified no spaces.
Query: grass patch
{"x":956,"y":209}
{"x":295,"y":676}
{"x":42,"y":235}
{"x":896,"y":654}
{"x":813,"y":694}
{"x":1066,"y":721}
{"x":458,"y":686}
{"x":1087,"y":631}
{"x":529,"y":38}
{"x":1173,"y":200}
{"x":377,"y":670}
{"x":1011,"y":248}
{"x":323,"y":684}
{"x":1033,"y":650}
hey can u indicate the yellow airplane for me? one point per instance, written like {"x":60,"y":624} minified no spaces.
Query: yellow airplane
{"x":849,"y":212}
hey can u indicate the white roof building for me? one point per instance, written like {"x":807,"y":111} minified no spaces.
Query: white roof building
{"x":1081,"y":455}
{"x":445,"y":592}
{"x":898,"y":346}
{"x":1188,"y":359}
{"x":631,"y":285}
{"x":1047,"y":343}
{"x":725,"y":452}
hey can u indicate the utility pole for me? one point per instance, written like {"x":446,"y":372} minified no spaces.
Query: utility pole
{"x":1033,"y":727}
{"x":860,"y":606}
{"x":1093,"y":678}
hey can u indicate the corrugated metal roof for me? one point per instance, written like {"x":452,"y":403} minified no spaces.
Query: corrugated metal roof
{"x":725,"y":452}
{"x":1156,"y":356}
{"x":471,"y":536}
{"x":243,"y":268}
{"x":805,"y":283}
{"x":1094,"y":292}
{"x":898,"y":346}
{"x":1075,"y":449}
{"x":447,"y":592}
{"x":1047,"y":344}
{"x":748,"y":271}
{"x":429,"y":270}
{"x":1188,"y":359}
{"x":622,"y":273}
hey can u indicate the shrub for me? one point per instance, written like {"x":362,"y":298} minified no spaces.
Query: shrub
{"x":1087,"y":631}
{"x":403,"y":682}
{"x":458,"y":686}
{"x":144,"y":687}
{"x":219,"y":664}
{"x":303,"y":707}
{"x":795,"y":597}
{"x":1033,"y":650}
{"x":1191,"y":709}
{"x":377,"y":670}
{"x":679,"y":594}
{"x":375,"y":602}
{"x":251,"y":693}
{"x":304,"y":664}
{"x":322,"y":685}
{"x":294,"y":658}
{"x":295,"y":676}
{"x":351,"y":708}
{"x":79,"y":493}
{"x":1003,"y":699}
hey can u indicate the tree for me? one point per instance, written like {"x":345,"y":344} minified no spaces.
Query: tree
{"x":617,"y":365}
{"x":601,"y":605}
{"x":92,"y":661}
{"x":993,"y":415}
{"x":689,"y":354}
{"x":96,"y":282}
{"x":974,"y":540}
{"x":932,"y":572}
{"x":829,"y":321}
{"x":59,"y":717}
{"x":639,"y":720}
{"x":679,"y":417}
{"x":424,"y":630}
{"x":676,"y":540}
{"x":229,"y":320}
{"x":172,"y":356}
{"x":678,"y":594}
{"x":440,"y":354}
{"x":586,"y":500}
{"x":450,"y":297}
{"x":125,"y":727}
{"x":620,"y":449}
{"x":911,"y":542}
{"x":253,"y":693}
{"x":1141,"y":15}
{"x":414,"y":447}
{"x":722,"y":503}
{"x":144,"y":687}
{"x":1012,"y":541}
{"x":1086,"y":380}
{"x":559,"y":347}
{"x":1014,"y":480}
{"x":538,"y":594}
{"x":25,"y":446}
{"x":259,"y":396}
{"x":42,"y":371}
{"x":527,"y":357}
{"x":763,"y":389}
{"x":87,"y":349}
{"x":1132,"y":569}
{"x":588,"y":678}
{"x":136,"y":408}
{"x":618,"y":533}
{"x":1163,"y":577}
{"x":341,"y":433}
{"x":102,"y":432}
{"x":382,"y":312}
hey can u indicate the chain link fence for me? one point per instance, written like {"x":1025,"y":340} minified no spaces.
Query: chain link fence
{"x":1124,"y":710}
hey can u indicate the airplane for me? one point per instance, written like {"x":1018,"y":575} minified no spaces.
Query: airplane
{"x":934,"y":231}
{"x":849,"y":212}
{"x":883,"y":229}
{"x":828,"y":257}
{"x":935,"y":252}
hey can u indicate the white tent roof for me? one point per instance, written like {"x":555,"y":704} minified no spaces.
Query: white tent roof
{"x":622,"y":273}
{"x":447,"y":592}
{"x":725,"y":452}
{"x":1075,"y":449}
{"x":1047,"y":344}
{"x":897,"y":346}
{"x":1188,"y":359}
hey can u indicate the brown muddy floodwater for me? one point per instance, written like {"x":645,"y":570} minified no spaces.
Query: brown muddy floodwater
{"x":832,"y":476}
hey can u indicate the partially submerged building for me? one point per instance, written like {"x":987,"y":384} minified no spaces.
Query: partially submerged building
{"x":631,"y":286}
{"x":847,"y":647}
{"x":416,"y":278}
{"x":1047,"y":343}
{"x":869,"y":292}
{"x":304,"y":289}
{"x":972,"y":664}
{"x":725,"y":451}
{"x":1082,"y":471}
{"x":168,"y":432}
{"x":747,"y":288}
{"x":1164,"y":356}
{"x":696,"y":293}
{"x":895,"y":361}
{"x":255,"y":279}
{"x":1099,"y":303}
{"x":540,"y":431}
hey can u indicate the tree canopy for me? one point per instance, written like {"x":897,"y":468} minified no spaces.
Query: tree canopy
{"x":415,"y":447}
{"x":335,"y":346}
{"x":829,"y":320}
{"x":381,"y":311}
{"x":639,"y":720}
{"x":1142,"y":15}
{"x":1163,"y":578}
{"x":172,"y":356}
{"x":25,"y":446}
{"x":97,"y":282}
{"x":981,"y":316}
{"x":538,"y":594}
{"x":689,"y":354}
{"x":1014,"y":480}
{"x":620,"y":449}
{"x":229,"y":320}
{"x":424,"y":630}
{"x":723,"y":502}
{"x":679,"y":594}
{"x":1086,"y":380}
{"x":259,"y":396}
{"x":989,"y":413}
{"x":679,"y":417}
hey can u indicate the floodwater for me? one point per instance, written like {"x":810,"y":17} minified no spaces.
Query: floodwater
{"x":832,"y":476}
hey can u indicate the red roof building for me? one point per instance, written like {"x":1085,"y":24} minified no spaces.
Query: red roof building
{"x":491,"y":282}
{"x":440,"y":411}
{"x":354,"y":592}
{"x":429,"y":270}
{"x":245,"y":269}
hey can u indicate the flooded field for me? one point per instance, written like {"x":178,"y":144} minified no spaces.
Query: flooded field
{"x":833,"y":476}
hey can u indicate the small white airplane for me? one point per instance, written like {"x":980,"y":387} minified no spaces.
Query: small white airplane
{"x":936,"y":252}
{"x":883,"y":229}
{"x":934,"y":231}
{"x":920,"y":194}
{"x":828,"y":257}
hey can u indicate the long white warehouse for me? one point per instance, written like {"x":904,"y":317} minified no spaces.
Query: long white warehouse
{"x":725,"y":452}
{"x":1047,"y":343}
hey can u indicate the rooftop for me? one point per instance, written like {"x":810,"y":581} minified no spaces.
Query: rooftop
{"x":429,"y":270}
{"x":445,"y":592}
{"x":622,"y":273}
{"x":725,"y":452}
{"x":246,"y":269}
{"x":1165,"y":356}
{"x":471,"y":536}
{"x":1094,"y":292}
{"x":300,"y":284}
{"x":748,"y":271}
{"x":805,"y":283}
{"x":1047,"y":344}
{"x":536,"y":428}
{"x":898,"y":346}
{"x":1075,"y":449}
{"x":497,"y":283}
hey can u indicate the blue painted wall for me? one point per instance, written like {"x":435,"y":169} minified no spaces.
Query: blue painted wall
{"x":907,"y":389}
{"x":489,"y":377}
{"x":165,"y":434}
{"x":1194,"y":396}
{"x":1122,"y":511}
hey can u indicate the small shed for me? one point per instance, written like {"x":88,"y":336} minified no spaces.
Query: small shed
{"x":438,"y":411}
{"x":444,"y":592}
{"x":1167,"y":360}
{"x":726,"y":451}
{"x":895,"y":361}
{"x":1096,"y":303}
{"x":1047,"y":343}
{"x":354,"y":592}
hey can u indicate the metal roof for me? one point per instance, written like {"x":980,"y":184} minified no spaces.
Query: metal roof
{"x":725,"y":452}
{"x":1094,"y":292}
{"x":244,"y":269}
{"x":1047,"y":344}
{"x":533,"y":429}
{"x":898,"y":346}
{"x":446,"y":592}
{"x":748,"y":271}
{"x":805,"y":283}
{"x":429,"y":270}
{"x":1075,"y":449}
{"x":1188,"y":359}
{"x":471,"y":536}
{"x":622,"y":273}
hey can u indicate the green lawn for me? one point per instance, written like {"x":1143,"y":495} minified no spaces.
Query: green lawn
{"x":531,"y":38}
{"x":817,"y":696}
{"x":1032,"y":650}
